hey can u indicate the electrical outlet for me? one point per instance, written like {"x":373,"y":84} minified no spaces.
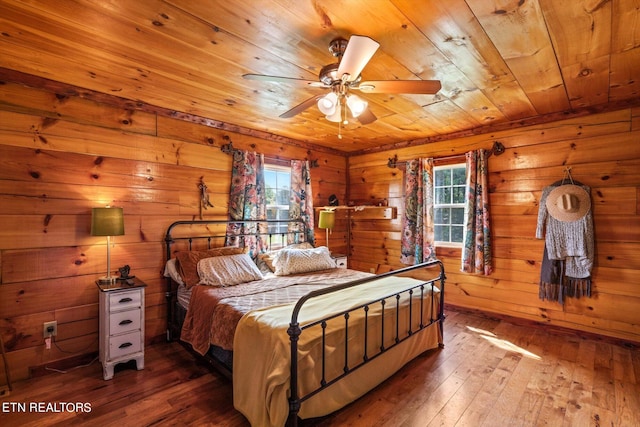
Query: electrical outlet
{"x":50,"y":329}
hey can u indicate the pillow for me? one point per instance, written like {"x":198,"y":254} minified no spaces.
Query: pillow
{"x":170,"y":270}
{"x":228,"y":270}
{"x":187,"y":262}
{"x":267,"y":257}
{"x":292,"y":261}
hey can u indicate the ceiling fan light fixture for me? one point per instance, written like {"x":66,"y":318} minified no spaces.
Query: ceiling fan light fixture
{"x":366,"y":87}
{"x":329,"y":74}
{"x":344,"y":76}
{"x":328,"y":103}
{"x":356,"y":104}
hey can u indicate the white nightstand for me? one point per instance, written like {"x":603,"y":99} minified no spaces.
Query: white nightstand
{"x":341,"y":260}
{"x":121,"y":324}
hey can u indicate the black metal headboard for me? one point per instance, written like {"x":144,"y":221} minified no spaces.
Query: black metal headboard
{"x":270,"y":230}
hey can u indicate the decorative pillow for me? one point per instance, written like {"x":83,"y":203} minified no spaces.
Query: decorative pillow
{"x":187,"y":262}
{"x":265,"y":263}
{"x":292,"y":261}
{"x":228,"y":270}
{"x":267,"y":257}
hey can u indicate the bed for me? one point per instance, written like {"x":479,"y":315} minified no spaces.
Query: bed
{"x":299,"y":337}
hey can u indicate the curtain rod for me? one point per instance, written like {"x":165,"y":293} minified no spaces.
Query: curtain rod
{"x":229,"y":149}
{"x":497,"y":149}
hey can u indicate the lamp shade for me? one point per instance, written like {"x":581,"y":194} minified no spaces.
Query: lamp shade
{"x":327,"y":219}
{"x":327,"y":104}
{"x":107,"y":222}
{"x":336,"y":116}
{"x":357,"y":105}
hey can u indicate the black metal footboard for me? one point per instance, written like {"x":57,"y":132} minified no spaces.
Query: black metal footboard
{"x":418,"y":294}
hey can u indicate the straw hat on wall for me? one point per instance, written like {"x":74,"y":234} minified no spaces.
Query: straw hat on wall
{"x":568,"y":203}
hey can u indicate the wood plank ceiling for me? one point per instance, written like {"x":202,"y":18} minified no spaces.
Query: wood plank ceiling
{"x":501,"y":62}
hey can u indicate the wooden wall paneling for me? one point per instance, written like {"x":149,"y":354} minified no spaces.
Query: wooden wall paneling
{"x":61,"y":156}
{"x":526,"y":295}
{"x":603,"y":153}
{"x":618,"y":228}
{"x":618,"y":255}
{"x":64,"y":167}
{"x":611,"y":174}
{"x":635,"y":119}
{"x":53,"y":106}
{"x":569,"y":153}
{"x":21,"y":362}
{"x":88,"y":177}
{"x":29,"y":297}
{"x":618,"y":281}
{"x":77,"y":313}
{"x":34,"y":264}
{"x":216,"y":138}
{"x":504,"y":226}
{"x":514,"y":203}
{"x":36,"y":132}
{"x":570,"y":129}
{"x":24,"y":331}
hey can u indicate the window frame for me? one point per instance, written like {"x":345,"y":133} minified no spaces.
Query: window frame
{"x":436,"y":205}
{"x":282,"y":228}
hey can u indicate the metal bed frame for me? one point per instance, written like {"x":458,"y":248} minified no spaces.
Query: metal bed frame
{"x":417,"y":292}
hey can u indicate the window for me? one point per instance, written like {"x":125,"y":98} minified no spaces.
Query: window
{"x":277,"y":181}
{"x":448,"y":204}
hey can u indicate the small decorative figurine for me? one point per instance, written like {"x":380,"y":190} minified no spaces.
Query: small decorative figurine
{"x":124,"y":273}
{"x":204,"y":197}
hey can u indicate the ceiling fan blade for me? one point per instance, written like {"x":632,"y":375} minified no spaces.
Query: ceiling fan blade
{"x":291,"y":80}
{"x":359,"y":51}
{"x":367,"y":117}
{"x":400,"y":86}
{"x":301,"y":107}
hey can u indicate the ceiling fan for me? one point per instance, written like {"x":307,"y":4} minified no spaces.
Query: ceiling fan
{"x":344,"y":76}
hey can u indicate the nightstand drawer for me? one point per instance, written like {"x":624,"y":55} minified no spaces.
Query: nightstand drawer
{"x":124,"y":321}
{"x":124,"y":300}
{"x":122,"y":345}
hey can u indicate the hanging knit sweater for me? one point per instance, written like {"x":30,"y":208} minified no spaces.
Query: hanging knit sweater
{"x":568,"y":255}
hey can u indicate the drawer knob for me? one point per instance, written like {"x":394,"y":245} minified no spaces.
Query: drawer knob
{"x":123,"y":300}
{"x":125,"y":322}
{"x":125,"y":345}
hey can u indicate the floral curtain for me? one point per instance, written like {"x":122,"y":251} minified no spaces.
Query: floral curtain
{"x":417,"y":244}
{"x":247,"y":201}
{"x":476,"y":253}
{"x":301,"y":201}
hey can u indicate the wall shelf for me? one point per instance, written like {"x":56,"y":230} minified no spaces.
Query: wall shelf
{"x":364,"y":212}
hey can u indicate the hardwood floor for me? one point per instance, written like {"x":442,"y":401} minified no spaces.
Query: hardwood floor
{"x":490,"y":373}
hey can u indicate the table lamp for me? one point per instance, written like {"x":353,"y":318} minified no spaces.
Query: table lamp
{"x":107,"y":222}
{"x":327,"y":221}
